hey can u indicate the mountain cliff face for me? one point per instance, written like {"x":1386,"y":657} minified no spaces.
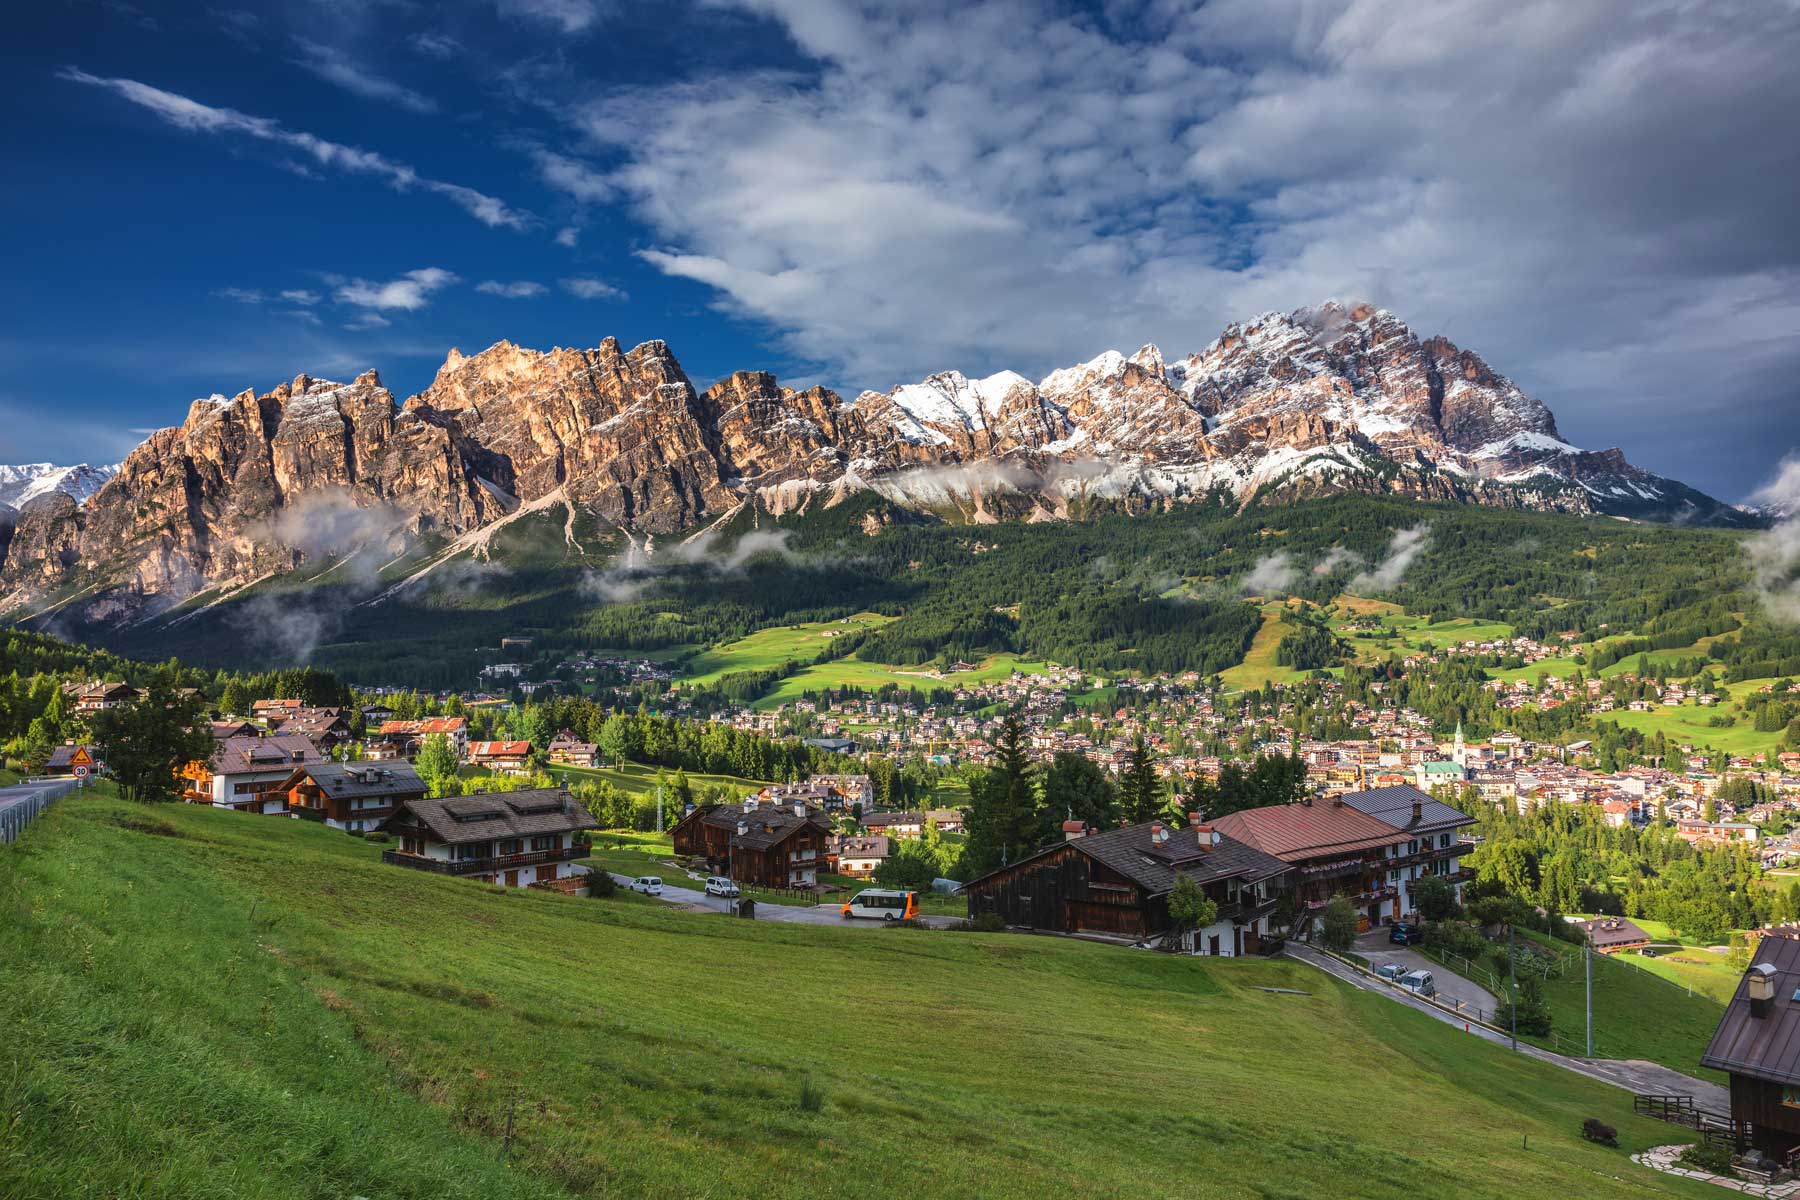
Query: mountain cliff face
{"x":1287,"y":405}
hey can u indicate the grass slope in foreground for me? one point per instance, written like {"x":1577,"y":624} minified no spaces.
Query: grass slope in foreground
{"x":202,"y":1004}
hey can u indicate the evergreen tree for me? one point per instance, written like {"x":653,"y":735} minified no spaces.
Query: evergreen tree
{"x":1140,"y":792}
{"x":145,"y":743}
{"x":1003,"y":821}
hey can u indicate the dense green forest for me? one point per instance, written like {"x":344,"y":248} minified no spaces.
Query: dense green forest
{"x":1157,"y":591}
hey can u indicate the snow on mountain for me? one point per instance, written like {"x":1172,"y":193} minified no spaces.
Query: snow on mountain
{"x":19,"y":485}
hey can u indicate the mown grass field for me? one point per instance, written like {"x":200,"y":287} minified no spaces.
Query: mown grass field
{"x":773,"y":646}
{"x":1690,"y":723}
{"x":202,"y":1004}
{"x":1636,"y":1014}
{"x":1259,"y":665}
{"x":854,"y":672}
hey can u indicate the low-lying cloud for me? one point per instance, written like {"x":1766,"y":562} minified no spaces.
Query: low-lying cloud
{"x":1774,"y":554}
{"x":1402,"y":549}
{"x":1273,"y":575}
{"x":638,"y":568}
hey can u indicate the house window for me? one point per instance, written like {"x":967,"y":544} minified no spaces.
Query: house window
{"x":1790,"y":1096}
{"x":511,"y":846}
{"x":544,"y":842}
{"x":470,"y":850}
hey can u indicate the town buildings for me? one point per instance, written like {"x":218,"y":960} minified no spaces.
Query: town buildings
{"x":352,"y":796}
{"x":765,"y":845}
{"x":248,"y":774}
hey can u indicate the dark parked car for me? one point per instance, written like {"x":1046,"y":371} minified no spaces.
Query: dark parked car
{"x":1403,"y":933}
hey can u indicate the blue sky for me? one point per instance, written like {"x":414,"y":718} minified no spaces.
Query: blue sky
{"x":1595,"y":197}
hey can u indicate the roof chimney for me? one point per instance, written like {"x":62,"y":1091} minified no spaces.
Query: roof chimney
{"x":749,"y":803}
{"x":1194,"y":819}
{"x":1157,"y":834}
{"x":1207,"y":836}
{"x":800,"y":810}
{"x":1759,"y":986}
{"x":743,"y":828}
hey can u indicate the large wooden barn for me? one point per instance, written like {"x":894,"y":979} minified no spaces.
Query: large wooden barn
{"x":1758,"y":1045}
{"x":1118,"y":883}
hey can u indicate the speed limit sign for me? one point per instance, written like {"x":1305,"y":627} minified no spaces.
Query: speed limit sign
{"x":81,"y":772}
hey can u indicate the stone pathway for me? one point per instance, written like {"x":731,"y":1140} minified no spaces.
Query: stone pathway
{"x":1662,"y":1158}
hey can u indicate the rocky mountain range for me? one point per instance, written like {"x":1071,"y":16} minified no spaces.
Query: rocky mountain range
{"x":19,"y":485}
{"x":1335,"y":398}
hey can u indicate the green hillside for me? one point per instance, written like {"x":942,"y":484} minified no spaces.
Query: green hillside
{"x":201,"y":1004}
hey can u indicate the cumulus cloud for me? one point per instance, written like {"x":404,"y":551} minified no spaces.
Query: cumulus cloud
{"x":522,"y":289}
{"x":988,"y":184}
{"x":340,"y":69}
{"x":1405,"y":546}
{"x":1775,"y":553}
{"x":410,"y":292}
{"x":193,"y":116}
{"x":592,"y":289}
{"x":1273,"y":575}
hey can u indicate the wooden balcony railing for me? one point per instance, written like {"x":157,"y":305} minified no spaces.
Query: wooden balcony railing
{"x":483,"y":866}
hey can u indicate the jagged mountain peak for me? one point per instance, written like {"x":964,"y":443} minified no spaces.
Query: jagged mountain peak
{"x":1334,"y":397}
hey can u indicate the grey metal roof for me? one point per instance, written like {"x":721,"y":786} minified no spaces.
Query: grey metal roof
{"x":1393,"y":805}
{"x":1133,"y":853}
{"x":1765,"y":1047}
{"x":361,"y":780}
{"x":454,"y":819}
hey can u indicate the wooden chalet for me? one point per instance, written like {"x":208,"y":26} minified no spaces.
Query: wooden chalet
{"x":1757,"y":1044}
{"x":507,"y":838}
{"x":855,"y":856}
{"x":778,"y":846}
{"x":500,"y":756}
{"x":247,"y":773}
{"x":326,"y":728}
{"x":98,"y":696}
{"x":222,"y":730}
{"x":1118,"y":883}
{"x":570,"y":751}
{"x":1336,"y":849}
{"x":1609,"y":935}
{"x":359,"y":795}
{"x":402,"y":739}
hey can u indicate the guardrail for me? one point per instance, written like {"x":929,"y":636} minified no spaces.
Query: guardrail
{"x":20,"y":804}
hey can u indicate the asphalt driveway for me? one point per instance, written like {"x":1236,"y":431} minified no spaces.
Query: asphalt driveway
{"x":825,"y":913}
{"x":1452,"y":988}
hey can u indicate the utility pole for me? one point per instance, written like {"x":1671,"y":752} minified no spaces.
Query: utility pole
{"x":1512,"y":978}
{"x":1587,"y":967}
{"x":659,"y":828}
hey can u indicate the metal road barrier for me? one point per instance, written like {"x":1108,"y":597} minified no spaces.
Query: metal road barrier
{"x":21,"y":803}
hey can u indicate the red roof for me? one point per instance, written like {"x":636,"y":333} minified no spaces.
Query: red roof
{"x":499,"y":749}
{"x":1292,"y":832}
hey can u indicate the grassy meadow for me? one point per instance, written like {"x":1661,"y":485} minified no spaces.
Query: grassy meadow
{"x":204,"y":1004}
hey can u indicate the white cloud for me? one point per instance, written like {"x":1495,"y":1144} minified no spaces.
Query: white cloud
{"x":436,"y":45}
{"x":368,"y":320}
{"x":410,"y":292}
{"x":241,"y":295}
{"x":592,"y":289}
{"x":191,"y":115}
{"x":523,"y":289}
{"x":570,"y":16}
{"x":574,"y":177}
{"x":988,"y":185}
{"x":1273,"y":575}
{"x":568,"y":235}
{"x":301,"y":314}
{"x":336,"y":67}
{"x":1775,"y":553}
{"x":300,"y":296}
{"x":1405,"y":546}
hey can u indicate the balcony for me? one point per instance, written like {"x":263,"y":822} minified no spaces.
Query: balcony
{"x":483,"y":866}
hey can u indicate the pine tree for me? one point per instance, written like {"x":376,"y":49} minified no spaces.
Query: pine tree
{"x":1140,"y":793}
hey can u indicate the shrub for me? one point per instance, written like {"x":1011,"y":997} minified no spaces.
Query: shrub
{"x":1596,"y":1130}
{"x":987,"y":922}
{"x":375,"y":835}
{"x":355,"y":833}
{"x":812,"y":1099}
{"x":601,"y":885}
{"x":1705,"y":1156}
{"x":1338,"y":930}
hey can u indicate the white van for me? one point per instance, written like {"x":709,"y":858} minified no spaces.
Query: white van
{"x":650,"y":885}
{"x":1419,"y":982}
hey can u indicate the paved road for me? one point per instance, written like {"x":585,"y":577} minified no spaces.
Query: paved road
{"x":22,"y":802}
{"x":1375,"y":947}
{"x":1633,"y":1075}
{"x":793,"y":914}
